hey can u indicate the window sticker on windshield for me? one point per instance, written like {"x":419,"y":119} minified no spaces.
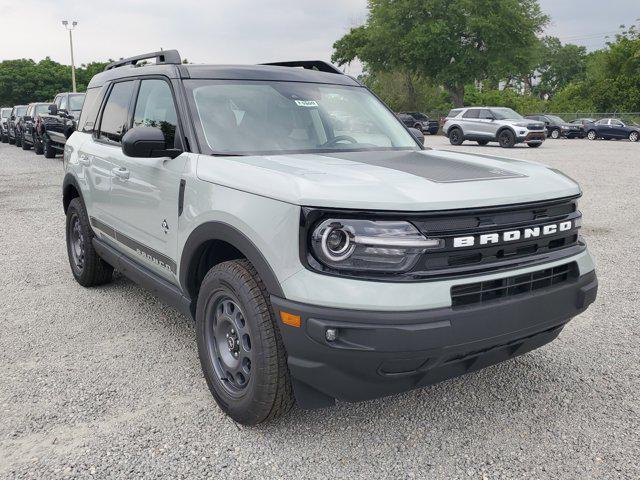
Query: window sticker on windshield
{"x":306,"y":103}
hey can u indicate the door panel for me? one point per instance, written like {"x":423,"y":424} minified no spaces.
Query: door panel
{"x":144,"y":191}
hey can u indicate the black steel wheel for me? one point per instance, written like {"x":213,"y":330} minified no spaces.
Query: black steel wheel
{"x":229,"y":344}
{"x":239,"y":344}
{"x":507,"y":139}
{"x":455,"y":136}
{"x":86,"y":265}
{"x":47,"y":149}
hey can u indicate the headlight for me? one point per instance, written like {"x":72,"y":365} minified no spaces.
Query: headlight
{"x":367,"y":245}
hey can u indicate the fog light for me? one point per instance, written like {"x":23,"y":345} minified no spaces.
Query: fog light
{"x":331,"y":334}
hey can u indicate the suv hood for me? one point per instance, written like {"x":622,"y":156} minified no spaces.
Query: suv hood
{"x":399,"y":180}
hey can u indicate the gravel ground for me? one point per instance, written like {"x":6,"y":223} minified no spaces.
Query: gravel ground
{"x":106,"y":383}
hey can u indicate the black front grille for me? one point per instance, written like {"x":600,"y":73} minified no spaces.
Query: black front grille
{"x":452,"y":260}
{"x":492,"y":290}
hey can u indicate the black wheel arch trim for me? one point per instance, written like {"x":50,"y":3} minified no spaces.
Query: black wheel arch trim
{"x":224,"y":232}
{"x":70,"y":181}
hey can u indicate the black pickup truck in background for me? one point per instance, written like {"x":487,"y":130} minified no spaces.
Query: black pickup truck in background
{"x":59,"y":123}
{"x":28,"y":127}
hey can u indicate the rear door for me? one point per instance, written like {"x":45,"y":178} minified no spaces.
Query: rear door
{"x":471,"y":123}
{"x":144,"y":191}
{"x":100,"y":154}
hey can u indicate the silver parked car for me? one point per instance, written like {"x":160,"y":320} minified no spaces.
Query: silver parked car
{"x":492,"y":124}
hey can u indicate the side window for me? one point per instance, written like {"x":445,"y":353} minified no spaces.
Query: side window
{"x":115,"y":116}
{"x":155,"y":108}
{"x":486,"y":114}
{"x":63,"y":102}
{"x":604,"y":121}
{"x":90,"y":109}
{"x":472,"y":113}
{"x":616,"y":123}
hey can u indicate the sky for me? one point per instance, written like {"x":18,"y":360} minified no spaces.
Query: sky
{"x":238,"y":31}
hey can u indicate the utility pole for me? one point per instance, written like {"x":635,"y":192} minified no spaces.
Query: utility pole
{"x":73,"y":65}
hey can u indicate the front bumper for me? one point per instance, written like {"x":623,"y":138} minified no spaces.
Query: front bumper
{"x":382,"y":353}
{"x":537,"y":137}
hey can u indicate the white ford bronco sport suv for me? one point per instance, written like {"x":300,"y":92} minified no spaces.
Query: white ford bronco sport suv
{"x":492,"y":124}
{"x":322,"y":250}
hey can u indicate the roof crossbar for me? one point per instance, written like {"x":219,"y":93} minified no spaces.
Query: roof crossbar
{"x":318,"y":65}
{"x":167,"y":57}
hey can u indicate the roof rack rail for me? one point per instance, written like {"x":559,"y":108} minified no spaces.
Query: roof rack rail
{"x":167,"y":57}
{"x":309,"y":65}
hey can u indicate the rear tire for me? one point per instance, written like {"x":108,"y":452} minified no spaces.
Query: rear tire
{"x":507,"y":139}
{"x":5,"y":138}
{"x":455,"y":136}
{"x":18,"y":142}
{"x":555,"y":134}
{"x":12,"y":141}
{"x":37,"y":146}
{"x":25,"y":145}
{"x":86,"y":265}
{"x":239,"y":345}
{"x":47,"y":149}
{"x":633,"y":136}
{"x":482,"y":142}
{"x":534,"y":145}
{"x":592,"y":135}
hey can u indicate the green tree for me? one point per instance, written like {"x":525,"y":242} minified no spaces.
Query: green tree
{"x":560,"y":65}
{"x":451,"y":42}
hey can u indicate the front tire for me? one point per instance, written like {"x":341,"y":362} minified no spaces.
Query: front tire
{"x":48,"y":150}
{"x":592,"y":135}
{"x":455,"y":136}
{"x":507,"y":139}
{"x":18,"y":141}
{"x":555,"y":134}
{"x":633,"y":136}
{"x":25,"y":145}
{"x":534,"y":145}
{"x":239,"y":345}
{"x":86,"y":265}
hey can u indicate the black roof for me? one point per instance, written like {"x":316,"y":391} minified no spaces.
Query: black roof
{"x":169,"y":65}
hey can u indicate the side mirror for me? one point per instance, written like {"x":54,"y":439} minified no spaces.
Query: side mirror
{"x":417,"y":134}
{"x":53,"y":109}
{"x":147,"y":142}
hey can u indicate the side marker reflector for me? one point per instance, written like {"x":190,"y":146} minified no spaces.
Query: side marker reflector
{"x":290,"y":319}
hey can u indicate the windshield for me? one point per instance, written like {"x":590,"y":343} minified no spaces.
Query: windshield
{"x":5,"y":113}
{"x":555,"y":119}
{"x":21,"y":111}
{"x":506,"y":114}
{"x":76,"y":101}
{"x":259,"y":118}
{"x":42,"y":108}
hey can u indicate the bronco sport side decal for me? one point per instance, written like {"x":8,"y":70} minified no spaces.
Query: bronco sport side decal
{"x":149,"y":254}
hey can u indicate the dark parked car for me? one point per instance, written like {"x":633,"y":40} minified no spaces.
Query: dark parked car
{"x":59,"y":122}
{"x":420,"y":121}
{"x":581,"y":122}
{"x":28,"y":126}
{"x":16,"y":114}
{"x":5,"y":113}
{"x":556,"y":127}
{"x":612,"y":128}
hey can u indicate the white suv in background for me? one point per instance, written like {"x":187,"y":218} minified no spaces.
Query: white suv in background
{"x":492,"y":124}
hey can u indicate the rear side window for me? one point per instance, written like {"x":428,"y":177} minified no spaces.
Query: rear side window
{"x":90,"y":109}
{"x":454,"y":113}
{"x":63,"y":102}
{"x":115,"y":116}
{"x":486,"y":114}
{"x":473,"y":113}
{"x":155,"y":108}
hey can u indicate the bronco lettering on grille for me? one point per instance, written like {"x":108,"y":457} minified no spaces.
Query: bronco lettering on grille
{"x":512,"y":235}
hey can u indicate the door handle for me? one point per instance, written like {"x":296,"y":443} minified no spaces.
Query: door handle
{"x":121,"y":172}
{"x":83,"y":159}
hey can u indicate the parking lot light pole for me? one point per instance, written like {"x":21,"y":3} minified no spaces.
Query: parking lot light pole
{"x":73,"y":66}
